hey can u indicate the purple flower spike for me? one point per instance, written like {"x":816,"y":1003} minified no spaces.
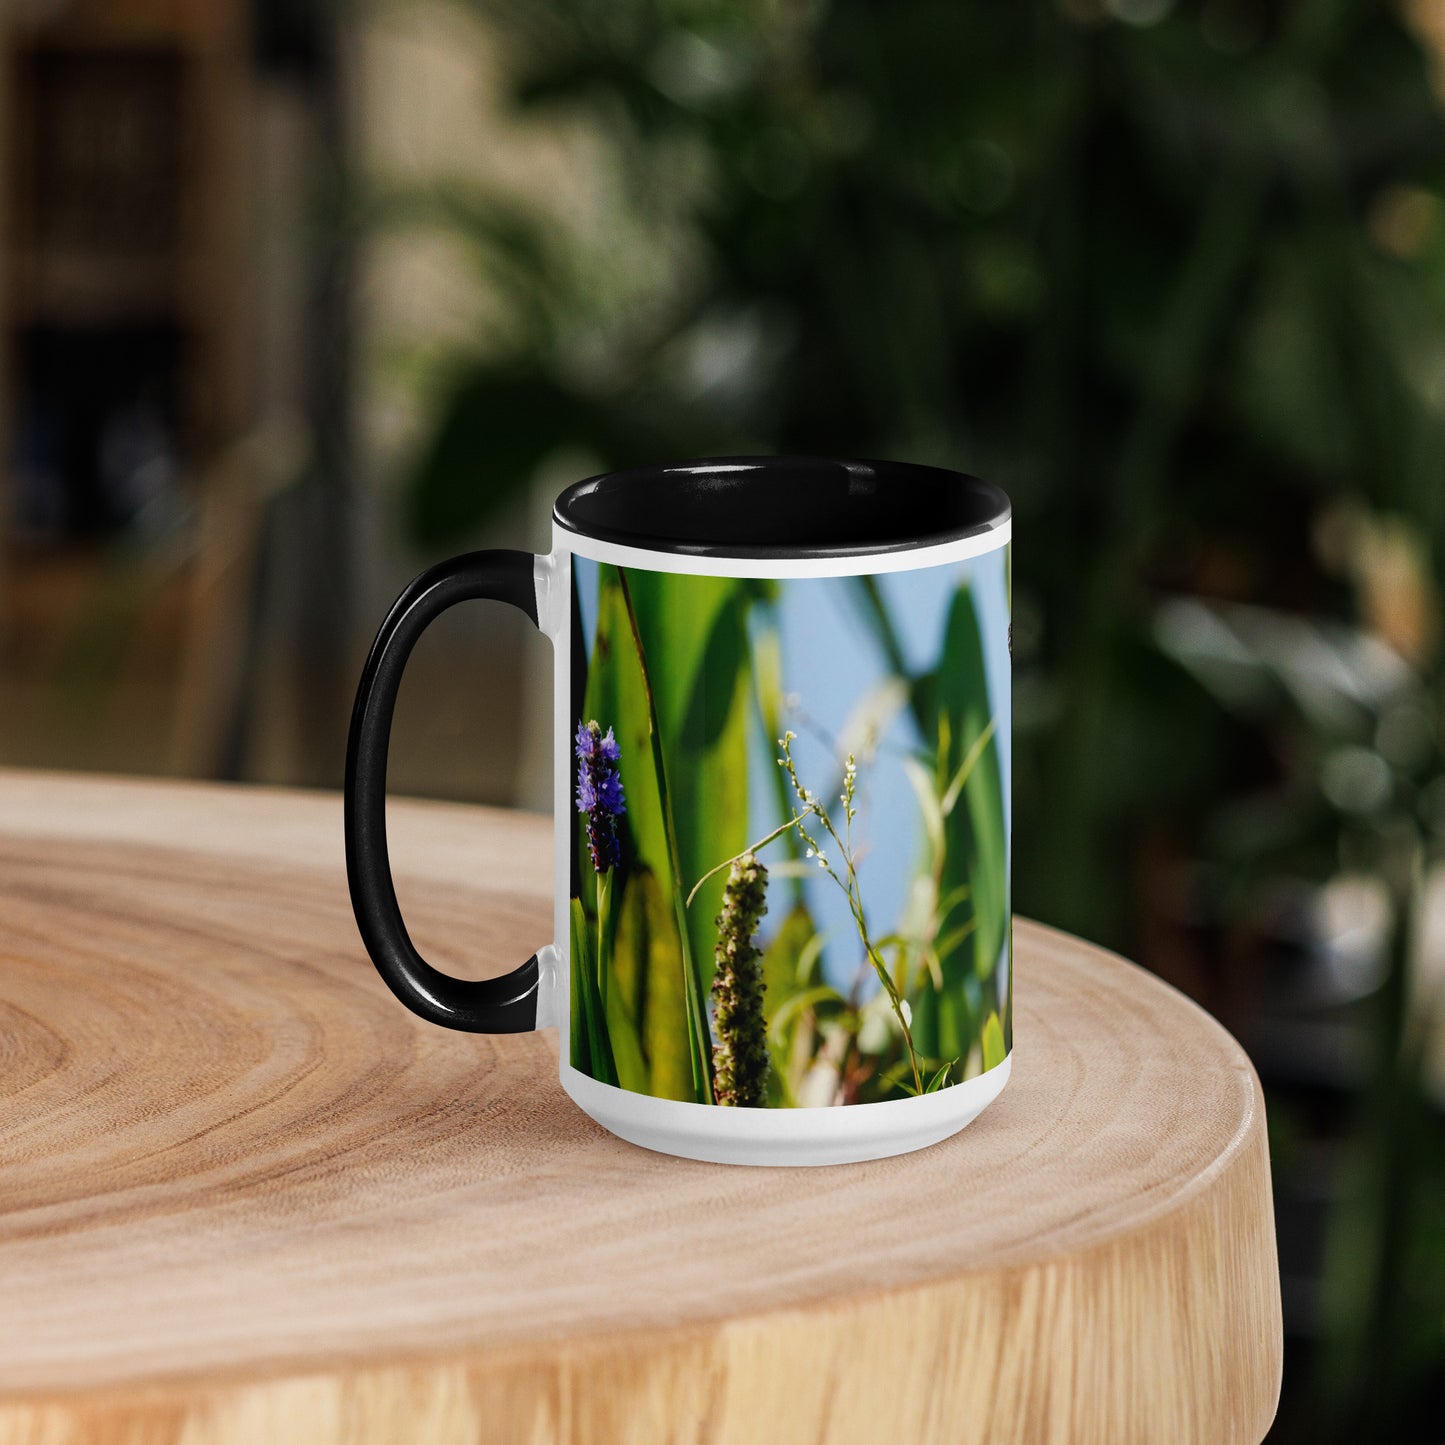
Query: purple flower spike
{"x":599,"y":793}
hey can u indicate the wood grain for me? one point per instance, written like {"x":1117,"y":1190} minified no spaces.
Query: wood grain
{"x":244,"y":1196}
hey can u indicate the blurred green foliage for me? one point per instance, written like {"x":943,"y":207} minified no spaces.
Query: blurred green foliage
{"x":1173,"y":274}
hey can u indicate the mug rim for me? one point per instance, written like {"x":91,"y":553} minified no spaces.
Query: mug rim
{"x":989,"y":502}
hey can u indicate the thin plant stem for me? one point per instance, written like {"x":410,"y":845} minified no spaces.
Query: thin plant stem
{"x":700,"y":1039}
{"x":966,"y":767}
{"x":851,"y":889}
{"x":604,"y":892}
{"x":855,"y":905}
{"x":751,"y":848}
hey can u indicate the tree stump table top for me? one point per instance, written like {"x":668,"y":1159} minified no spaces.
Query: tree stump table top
{"x":245,"y":1196}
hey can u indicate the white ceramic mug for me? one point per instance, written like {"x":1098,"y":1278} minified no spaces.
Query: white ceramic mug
{"x":782,"y":797}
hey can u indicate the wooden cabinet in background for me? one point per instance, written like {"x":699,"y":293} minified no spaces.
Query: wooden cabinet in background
{"x":125,"y":352}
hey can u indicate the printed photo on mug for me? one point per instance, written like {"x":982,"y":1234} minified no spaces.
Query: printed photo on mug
{"x":790,"y":851}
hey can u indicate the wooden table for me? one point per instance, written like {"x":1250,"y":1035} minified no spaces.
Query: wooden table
{"x":244,"y":1196}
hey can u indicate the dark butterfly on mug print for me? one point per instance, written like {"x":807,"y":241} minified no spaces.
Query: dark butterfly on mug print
{"x":791,"y":853}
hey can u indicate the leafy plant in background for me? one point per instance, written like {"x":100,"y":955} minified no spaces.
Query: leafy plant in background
{"x":1171,"y":272}
{"x":1371,"y":792}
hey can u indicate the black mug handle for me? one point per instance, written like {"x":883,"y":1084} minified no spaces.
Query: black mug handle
{"x":506,"y":1005}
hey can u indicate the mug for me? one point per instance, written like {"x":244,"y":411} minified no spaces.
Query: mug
{"x":783,"y":819}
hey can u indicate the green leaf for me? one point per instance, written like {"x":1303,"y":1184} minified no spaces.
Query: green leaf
{"x":617,"y":986}
{"x":809,"y":998}
{"x":699,"y":1030}
{"x":975,"y":842}
{"x":920,"y":779}
{"x":591,"y":1047}
{"x":783,"y":959}
{"x":694,"y":637}
{"x":950,"y":901}
{"x":711,"y":790}
{"x":948,"y":942}
{"x":965,"y":769}
{"x":648,"y":964}
{"x":579,"y":1052}
{"x":788,"y":965}
{"x":994,"y":1048}
{"x":767,"y":670}
{"x":617,"y":697}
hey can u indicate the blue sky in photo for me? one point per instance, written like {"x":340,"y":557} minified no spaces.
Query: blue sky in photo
{"x":830,"y":664}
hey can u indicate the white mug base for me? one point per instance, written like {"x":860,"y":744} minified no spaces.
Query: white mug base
{"x":846,"y":1135}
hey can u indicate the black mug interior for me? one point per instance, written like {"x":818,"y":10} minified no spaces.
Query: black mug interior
{"x":781,"y":507}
